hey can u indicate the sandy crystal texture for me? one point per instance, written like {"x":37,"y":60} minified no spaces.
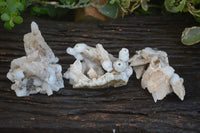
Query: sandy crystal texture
{"x":37,"y":72}
{"x":96,"y":68}
{"x":157,"y":75}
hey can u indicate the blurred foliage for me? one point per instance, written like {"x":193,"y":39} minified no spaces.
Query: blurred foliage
{"x":11,"y":10}
{"x":172,"y":6}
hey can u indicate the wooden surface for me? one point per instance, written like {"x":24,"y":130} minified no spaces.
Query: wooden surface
{"x":123,"y":109}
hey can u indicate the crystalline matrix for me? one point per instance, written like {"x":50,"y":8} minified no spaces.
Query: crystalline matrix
{"x":37,"y":72}
{"x":96,"y":68}
{"x":157,"y":75}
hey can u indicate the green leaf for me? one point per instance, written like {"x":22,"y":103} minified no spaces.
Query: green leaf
{"x":5,"y":17}
{"x":109,"y":10}
{"x":18,"y":20}
{"x":56,"y":12}
{"x":112,"y":1}
{"x":191,"y":36}
{"x":24,"y":2}
{"x":38,"y":10}
{"x":20,"y":6}
{"x":11,"y":1}
{"x":144,"y":5}
{"x":174,"y":6}
{"x":11,"y":23}
{"x":2,"y":3}
{"x":12,"y":8}
{"x":7,"y":25}
{"x":13,"y":14}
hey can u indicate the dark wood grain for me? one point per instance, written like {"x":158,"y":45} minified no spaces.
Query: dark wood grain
{"x":125,"y":109}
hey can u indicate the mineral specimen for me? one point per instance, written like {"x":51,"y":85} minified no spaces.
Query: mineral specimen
{"x":37,"y":72}
{"x":157,"y":76}
{"x":96,"y":68}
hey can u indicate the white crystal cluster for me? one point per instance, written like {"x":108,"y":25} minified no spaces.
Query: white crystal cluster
{"x":37,"y":72}
{"x":96,"y":68}
{"x":157,"y":75}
